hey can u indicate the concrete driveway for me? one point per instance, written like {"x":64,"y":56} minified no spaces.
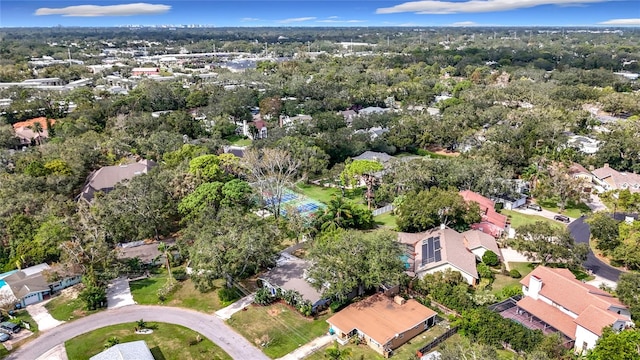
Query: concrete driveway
{"x":119,"y":294}
{"x":209,"y":326}
{"x":41,"y":316}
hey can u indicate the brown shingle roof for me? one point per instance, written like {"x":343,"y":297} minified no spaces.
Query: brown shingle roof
{"x":560,"y":286}
{"x":477,"y":239}
{"x":550,"y":315}
{"x":380,"y":318}
{"x":291,"y":275}
{"x":621,"y":180}
{"x":107,"y":177}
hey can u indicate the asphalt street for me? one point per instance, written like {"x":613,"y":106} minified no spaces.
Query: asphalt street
{"x":581,"y":233}
{"x":208,"y":325}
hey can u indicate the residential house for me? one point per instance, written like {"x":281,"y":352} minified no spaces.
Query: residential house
{"x":260,"y":125}
{"x":556,"y":302}
{"x":26,"y":135}
{"x":611,"y":179}
{"x":380,"y":157}
{"x":443,"y":248}
{"x":145,"y":71}
{"x":492,"y":222}
{"x":585,"y":144}
{"x":145,"y":251}
{"x":348,"y":115}
{"x":106,"y":178}
{"x":134,"y":350}
{"x":381,"y":322}
{"x":372,"y":110}
{"x":238,"y":151}
{"x":286,"y":121}
{"x":290,"y":273}
{"x":30,"y":285}
{"x":578,"y":171}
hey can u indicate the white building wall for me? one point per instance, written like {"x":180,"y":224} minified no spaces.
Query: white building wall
{"x":478,"y":252}
{"x":468,"y":278}
{"x":585,"y":339}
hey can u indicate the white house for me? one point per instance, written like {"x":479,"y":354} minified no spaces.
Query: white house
{"x":577,"y":310}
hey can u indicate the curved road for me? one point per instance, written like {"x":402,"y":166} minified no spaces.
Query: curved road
{"x":208,"y":325}
{"x":581,"y":233}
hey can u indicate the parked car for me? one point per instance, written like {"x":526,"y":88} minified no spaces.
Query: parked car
{"x":564,"y":219}
{"x":535,"y":207}
{"x":4,"y":337}
{"x":10,"y":327}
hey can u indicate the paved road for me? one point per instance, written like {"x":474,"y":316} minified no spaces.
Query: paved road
{"x":208,"y":325}
{"x":581,"y":233}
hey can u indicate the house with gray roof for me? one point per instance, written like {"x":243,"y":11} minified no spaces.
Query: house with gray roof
{"x":442,"y":248}
{"x":106,"y":178}
{"x":290,"y":273}
{"x":612,"y":179}
{"x":30,"y":285}
{"x":134,"y":350}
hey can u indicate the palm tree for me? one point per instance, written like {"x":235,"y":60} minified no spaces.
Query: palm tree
{"x":335,"y":353}
{"x":337,"y":212}
{"x":165,"y":250}
{"x":36,"y":127}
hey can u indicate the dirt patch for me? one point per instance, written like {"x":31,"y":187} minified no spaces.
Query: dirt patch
{"x":441,"y":151}
{"x":72,"y":292}
{"x":274,"y":312}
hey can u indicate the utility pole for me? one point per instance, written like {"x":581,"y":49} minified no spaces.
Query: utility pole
{"x":69,"y":52}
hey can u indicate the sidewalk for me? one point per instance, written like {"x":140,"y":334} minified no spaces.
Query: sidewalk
{"x":41,"y":316}
{"x":56,"y":353}
{"x":309,"y":348}
{"x":225,"y":314}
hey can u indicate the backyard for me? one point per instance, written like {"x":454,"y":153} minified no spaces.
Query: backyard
{"x":386,"y":220}
{"x":504,"y":281}
{"x":145,"y":292}
{"x":277,"y":328}
{"x":518,"y":219}
{"x":167,"y":342}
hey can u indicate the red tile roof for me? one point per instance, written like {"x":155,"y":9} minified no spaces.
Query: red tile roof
{"x":380,"y":318}
{"x":487,"y":207}
{"x":561,"y":287}
{"x":41,"y":120}
{"x":550,"y":315}
{"x":595,"y":319}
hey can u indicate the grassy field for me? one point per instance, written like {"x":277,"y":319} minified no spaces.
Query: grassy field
{"x":239,"y":140}
{"x":325,"y":194}
{"x":386,"y":220}
{"x":518,"y":219}
{"x":145,"y":292}
{"x":282,"y":327}
{"x":167,"y":342}
{"x":3,"y":352}
{"x":64,"y":308}
{"x":502,"y":281}
{"x":572,"y":210}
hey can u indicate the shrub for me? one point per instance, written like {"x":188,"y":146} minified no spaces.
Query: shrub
{"x":263,"y":297}
{"x":179,"y":274}
{"x":515,"y":274}
{"x":168,"y":289}
{"x":228,"y":294}
{"x":510,"y":291}
{"x":93,"y":297}
{"x":484,"y":271}
{"x":490,"y":258}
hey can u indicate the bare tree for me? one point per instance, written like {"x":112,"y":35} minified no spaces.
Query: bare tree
{"x":272,"y":170}
{"x":7,"y":300}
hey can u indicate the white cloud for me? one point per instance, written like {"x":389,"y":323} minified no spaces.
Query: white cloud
{"x":464,"y":23}
{"x":333,"y":17}
{"x":247,"y":19}
{"x":633,"y":22}
{"x":106,"y":10}
{"x":333,"y":21}
{"x":295,"y":20}
{"x":474,"y":6}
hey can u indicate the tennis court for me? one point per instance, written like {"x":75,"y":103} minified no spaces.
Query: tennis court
{"x":290,"y":200}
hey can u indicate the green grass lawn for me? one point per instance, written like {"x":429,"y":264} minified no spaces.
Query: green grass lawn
{"x":284,"y":327}
{"x":167,"y":342}
{"x":145,"y":292}
{"x":572,"y":210}
{"x":502,"y":281}
{"x":386,"y":220}
{"x":23,"y":315}
{"x":325,"y":194}
{"x":3,"y":352}
{"x":518,"y":219}
{"x":238,"y":140}
{"x":64,"y":308}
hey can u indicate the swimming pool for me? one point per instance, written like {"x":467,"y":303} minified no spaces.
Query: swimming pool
{"x":2,"y":283}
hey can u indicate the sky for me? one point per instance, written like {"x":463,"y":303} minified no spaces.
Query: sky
{"x":339,"y":13}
